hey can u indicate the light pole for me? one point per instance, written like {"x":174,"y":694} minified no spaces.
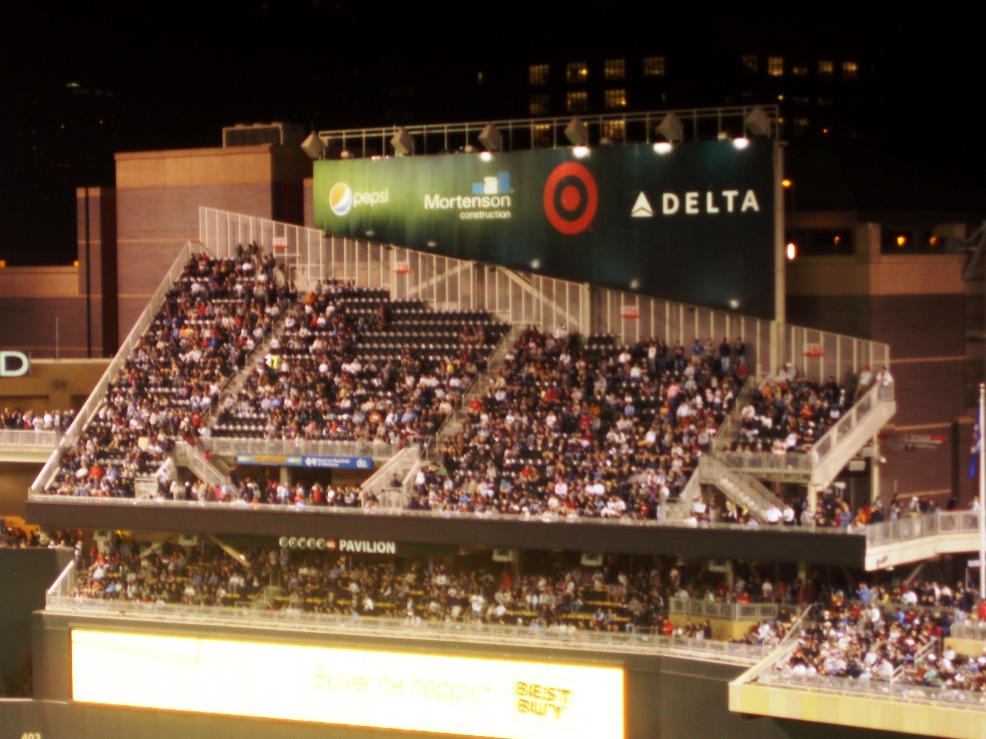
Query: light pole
{"x":981,"y":453}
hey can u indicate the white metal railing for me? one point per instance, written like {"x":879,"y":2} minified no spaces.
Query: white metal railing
{"x":230,"y":447}
{"x":969,"y":630}
{"x":768,"y":464}
{"x":531,"y":298}
{"x":88,"y":408}
{"x":899,"y":691}
{"x":806,"y":464}
{"x":858,"y":414}
{"x":736,"y":484}
{"x":729,"y":429}
{"x":63,"y":583}
{"x":542,"y":132}
{"x":821,"y":354}
{"x":403,"y":628}
{"x":702,"y":608}
{"x":398,"y":465}
{"x":203,"y":468}
{"x":22,"y":438}
{"x":914,"y":526}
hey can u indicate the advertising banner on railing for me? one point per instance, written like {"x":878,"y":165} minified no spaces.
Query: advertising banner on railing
{"x":695,"y":225}
{"x":325,"y":462}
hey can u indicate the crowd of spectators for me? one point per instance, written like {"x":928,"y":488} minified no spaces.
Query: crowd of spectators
{"x":212,"y":318}
{"x":580,"y":427}
{"x":15,"y":536}
{"x":18,"y":420}
{"x":790,"y":412}
{"x":888,"y":634}
{"x":571,"y":426}
{"x":558,"y":594}
{"x":250,"y":490}
{"x":324,"y":378}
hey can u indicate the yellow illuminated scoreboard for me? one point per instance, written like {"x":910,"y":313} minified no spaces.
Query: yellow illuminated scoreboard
{"x":390,"y":690}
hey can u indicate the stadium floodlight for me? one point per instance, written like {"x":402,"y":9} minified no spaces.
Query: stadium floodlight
{"x":757,"y":122}
{"x":313,"y":146}
{"x":576,"y":132}
{"x":672,"y":128}
{"x":491,"y":138}
{"x":402,"y":142}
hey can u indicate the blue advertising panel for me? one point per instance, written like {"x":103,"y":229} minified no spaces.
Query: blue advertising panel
{"x":307,"y":460}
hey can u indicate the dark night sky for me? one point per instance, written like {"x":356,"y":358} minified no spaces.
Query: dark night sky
{"x":181,"y":70}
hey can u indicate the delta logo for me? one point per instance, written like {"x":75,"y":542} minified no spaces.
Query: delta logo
{"x":343,"y":199}
{"x":697,"y":202}
{"x":570,"y":198}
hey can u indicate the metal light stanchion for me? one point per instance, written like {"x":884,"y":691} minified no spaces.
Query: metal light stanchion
{"x":982,"y":491}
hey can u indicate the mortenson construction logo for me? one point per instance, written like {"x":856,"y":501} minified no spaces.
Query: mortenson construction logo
{"x":490,"y":200}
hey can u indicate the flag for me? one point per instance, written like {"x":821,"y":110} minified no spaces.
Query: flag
{"x":974,"y":463}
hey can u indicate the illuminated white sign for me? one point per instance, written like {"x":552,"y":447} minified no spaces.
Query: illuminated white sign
{"x":14,"y":364}
{"x":391,"y":690}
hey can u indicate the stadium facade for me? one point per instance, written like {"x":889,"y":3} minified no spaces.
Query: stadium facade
{"x":167,"y":204}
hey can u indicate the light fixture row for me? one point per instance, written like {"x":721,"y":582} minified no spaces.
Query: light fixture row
{"x":671,"y":129}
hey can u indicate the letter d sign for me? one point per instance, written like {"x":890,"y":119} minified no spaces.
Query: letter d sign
{"x":14,"y":364}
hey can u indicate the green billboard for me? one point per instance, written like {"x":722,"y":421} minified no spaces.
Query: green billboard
{"x":694,"y":225}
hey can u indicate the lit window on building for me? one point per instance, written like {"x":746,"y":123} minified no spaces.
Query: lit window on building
{"x":775,"y":66}
{"x":802,"y":125}
{"x":821,"y":242}
{"x":539,"y":105}
{"x":826,"y":68}
{"x":543,"y":134}
{"x":615,"y":99}
{"x":576,"y":72}
{"x":900,"y":241}
{"x":799,"y":70}
{"x":654,"y":66}
{"x":577,"y":102}
{"x":751,"y":62}
{"x":615,"y":69}
{"x":538,"y":74}
{"x":613,"y":130}
{"x":850,"y":70}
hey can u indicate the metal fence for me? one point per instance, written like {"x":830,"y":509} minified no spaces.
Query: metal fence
{"x":523,"y":298}
{"x":29,"y":439}
{"x":543,"y":132}
{"x":914,"y":526}
{"x":702,"y":608}
{"x":770,"y":465}
{"x":60,"y":600}
{"x":232,"y":446}
{"x":875,"y":689}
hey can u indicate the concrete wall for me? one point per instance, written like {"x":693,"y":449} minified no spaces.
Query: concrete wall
{"x":916,"y":304}
{"x":25,"y":575}
{"x":96,"y":229}
{"x":158,"y":200}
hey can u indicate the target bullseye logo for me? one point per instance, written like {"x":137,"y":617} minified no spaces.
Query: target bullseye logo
{"x":570,"y":198}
